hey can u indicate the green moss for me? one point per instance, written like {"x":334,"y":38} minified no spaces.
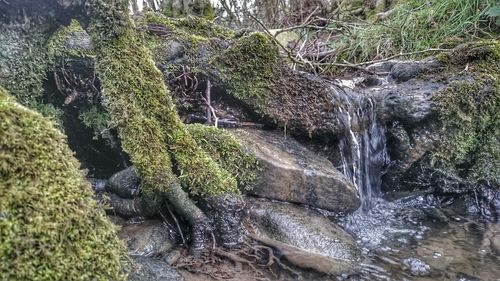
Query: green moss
{"x":252,"y":72}
{"x":31,"y":70}
{"x":249,"y":67}
{"x":208,"y":12}
{"x":188,"y":26}
{"x":56,"y":46}
{"x":141,"y":107}
{"x":95,"y":118}
{"x":50,"y":227}
{"x":223,"y":147}
{"x":470,"y":112}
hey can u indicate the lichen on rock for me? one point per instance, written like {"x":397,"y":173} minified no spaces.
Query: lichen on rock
{"x":50,"y":227}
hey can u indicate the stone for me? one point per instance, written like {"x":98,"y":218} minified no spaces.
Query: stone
{"x":305,"y":238}
{"x":409,"y":102}
{"x":383,"y":67}
{"x":416,"y":266}
{"x":293,"y":173}
{"x":404,"y":71}
{"x":149,"y":238}
{"x":149,"y":269}
{"x":124,"y":183}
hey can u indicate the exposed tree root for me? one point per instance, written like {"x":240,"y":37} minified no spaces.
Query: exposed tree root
{"x":252,"y":256}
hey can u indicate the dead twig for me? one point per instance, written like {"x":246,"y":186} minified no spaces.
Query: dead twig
{"x":177,"y":224}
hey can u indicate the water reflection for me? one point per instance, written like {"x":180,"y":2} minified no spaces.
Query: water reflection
{"x":411,"y":239}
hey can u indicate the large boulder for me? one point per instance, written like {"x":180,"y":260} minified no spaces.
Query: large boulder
{"x":305,"y":238}
{"x":292,"y":173}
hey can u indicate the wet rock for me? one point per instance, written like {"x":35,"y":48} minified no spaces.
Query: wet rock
{"x":150,"y":238}
{"x":227,"y":212}
{"x":382,"y":67}
{"x":484,"y":201}
{"x":416,"y":266}
{"x":404,"y":71}
{"x":409,"y":102}
{"x":124,"y":183}
{"x":292,"y":173}
{"x":129,"y":208}
{"x":305,"y":238}
{"x":148,"y":269}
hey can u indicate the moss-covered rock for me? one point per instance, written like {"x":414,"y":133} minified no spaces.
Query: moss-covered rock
{"x":30,"y":68}
{"x":50,"y":227}
{"x":470,"y":112}
{"x":223,"y":147}
{"x":302,"y":103}
{"x":141,"y":107}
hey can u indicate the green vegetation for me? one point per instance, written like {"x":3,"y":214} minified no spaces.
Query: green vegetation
{"x":223,"y":147}
{"x":417,"y":25}
{"x":470,"y":112}
{"x":141,"y":107}
{"x":249,"y":67}
{"x":31,"y":71}
{"x":97,"y":119}
{"x":50,"y":227}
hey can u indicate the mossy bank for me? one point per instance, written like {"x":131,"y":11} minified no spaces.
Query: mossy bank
{"x":50,"y":227}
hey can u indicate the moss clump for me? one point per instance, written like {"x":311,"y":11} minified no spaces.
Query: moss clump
{"x":57,"y":45}
{"x":30,"y":71}
{"x":249,"y":67}
{"x":97,"y":119}
{"x":50,"y":227}
{"x":141,"y":107}
{"x":223,"y":147}
{"x":470,"y":112}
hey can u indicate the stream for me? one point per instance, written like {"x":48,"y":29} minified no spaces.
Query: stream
{"x":409,"y":238}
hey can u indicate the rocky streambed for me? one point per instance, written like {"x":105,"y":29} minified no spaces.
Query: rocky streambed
{"x":351,"y":186}
{"x":317,"y":234}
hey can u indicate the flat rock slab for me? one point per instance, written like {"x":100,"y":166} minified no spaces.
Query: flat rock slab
{"x":305,"y":238}
{"x":293,"y":173}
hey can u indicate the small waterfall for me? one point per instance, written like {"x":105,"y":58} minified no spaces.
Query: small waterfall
{"x":362,"y":150}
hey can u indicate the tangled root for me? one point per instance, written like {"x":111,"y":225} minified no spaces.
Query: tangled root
{"x":260,"y":260}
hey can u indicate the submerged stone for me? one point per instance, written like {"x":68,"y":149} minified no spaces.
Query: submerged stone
{"x":293,"y":173}
{"x":416,"y":266}
{"x":148,"y":269}
{"x":150,"y":238}
{"x":306,"y":239}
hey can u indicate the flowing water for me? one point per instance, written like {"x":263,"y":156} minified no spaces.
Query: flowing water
{"x":362,"y":151}
{"x":410,"y":238}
